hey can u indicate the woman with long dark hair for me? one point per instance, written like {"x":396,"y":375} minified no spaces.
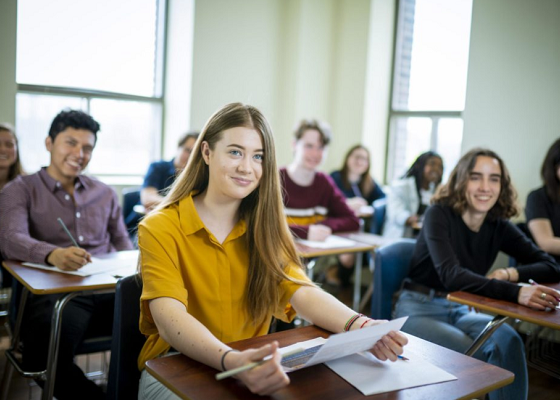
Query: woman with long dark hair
{"x":410,"y":196}
{"x":218,"y":260}
{"x":463,"y":231}
{"x":543,"y":205}
{"x":355,"y":181}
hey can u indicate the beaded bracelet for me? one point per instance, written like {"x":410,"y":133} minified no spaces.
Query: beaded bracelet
{"x":223,"y":359}
{"x":349,"y":323}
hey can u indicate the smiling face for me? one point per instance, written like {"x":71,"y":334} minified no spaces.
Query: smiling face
{"x":8,"y":149}
{"x":71,"y":152}
{"x":484,"y":185}
{"x":235,"y":163}
{"x":309,"y":149}
{"x":358,"y":161}
{"x":433,"y":170}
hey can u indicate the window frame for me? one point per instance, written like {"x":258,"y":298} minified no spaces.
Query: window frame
{"x":393,"y":114}
{"x":162,"y":18}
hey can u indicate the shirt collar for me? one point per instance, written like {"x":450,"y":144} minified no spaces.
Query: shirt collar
{"x":52,"y":184}
{"x":191,"y":222}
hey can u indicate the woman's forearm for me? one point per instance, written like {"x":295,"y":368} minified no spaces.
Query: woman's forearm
{"x":185,"y":333}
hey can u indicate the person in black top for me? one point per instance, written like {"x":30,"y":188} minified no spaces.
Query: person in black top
{"x":463,"y":232}
{"x":543,"y":205}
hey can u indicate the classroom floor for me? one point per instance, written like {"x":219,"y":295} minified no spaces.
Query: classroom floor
{"x":541,"y":385}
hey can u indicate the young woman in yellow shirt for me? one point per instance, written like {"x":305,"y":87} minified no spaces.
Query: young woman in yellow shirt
{"x":218,"y":260}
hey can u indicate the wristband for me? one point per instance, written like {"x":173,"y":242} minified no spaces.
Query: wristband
{"x":224,"y":358}
{"x":507,"y":272}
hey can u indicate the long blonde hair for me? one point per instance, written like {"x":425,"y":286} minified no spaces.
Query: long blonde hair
{"x":270,"y":242}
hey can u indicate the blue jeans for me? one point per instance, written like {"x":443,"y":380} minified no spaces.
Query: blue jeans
{"x":453,"y":326}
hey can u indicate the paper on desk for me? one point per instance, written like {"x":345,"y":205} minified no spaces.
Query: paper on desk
{"x":123,"y":265}
{"x":331,"y":242}
{"x":347,"y":343}
{"x":372,"y":376}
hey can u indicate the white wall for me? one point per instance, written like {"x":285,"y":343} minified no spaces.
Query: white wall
{"x":513,"y":89}
{"x":291,"y":58}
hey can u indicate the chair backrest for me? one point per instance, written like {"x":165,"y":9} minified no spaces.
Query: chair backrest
{"x":391,"y":267}
{"x":127,"y":341}
{"x":379,"y":208}
{"x":131,"y":197}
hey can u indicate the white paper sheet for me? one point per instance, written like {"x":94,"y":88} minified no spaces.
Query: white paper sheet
{"x":123,"y":265}
{"x":331,"y":242}
{"x":371,"y":376}
{"x":344,"y":344}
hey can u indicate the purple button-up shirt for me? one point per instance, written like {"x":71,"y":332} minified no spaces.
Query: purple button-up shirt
{"x":30,"y":206}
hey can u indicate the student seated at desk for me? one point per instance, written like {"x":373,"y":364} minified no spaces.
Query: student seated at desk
{"x":218,"y":260}
{"x":162,"y":174}
{"x":314,"y":205}
{"x":543,"y":205}
{"x":10,"y":168}
{"x":29,"y":231}
{"x":354,"y":180}
{"x":410,"y":196}
{"x":462,"y":234}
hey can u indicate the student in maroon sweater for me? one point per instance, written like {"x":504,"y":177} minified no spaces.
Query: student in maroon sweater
{"x":314,"y":205}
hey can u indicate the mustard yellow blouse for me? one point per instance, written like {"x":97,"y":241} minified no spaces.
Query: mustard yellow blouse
{"x":182,"y":260}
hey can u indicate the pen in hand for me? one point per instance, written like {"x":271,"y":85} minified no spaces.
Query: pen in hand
{"x":68,"y":232}
{"x":246,"y":367}
{"x":532,"y":282}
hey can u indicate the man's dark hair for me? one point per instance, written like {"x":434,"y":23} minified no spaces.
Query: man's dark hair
{"x":73,"y":119}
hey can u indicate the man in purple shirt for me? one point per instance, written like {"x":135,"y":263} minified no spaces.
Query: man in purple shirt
{"x":29,"y":231}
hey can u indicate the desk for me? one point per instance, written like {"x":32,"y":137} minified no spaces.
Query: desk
{"x":504,"y":310}
{"x":358,"y":248}
{"x":190,"y":379}
{"x":41,"y":282}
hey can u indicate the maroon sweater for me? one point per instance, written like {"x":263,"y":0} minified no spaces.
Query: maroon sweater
{"x":320,"y":203}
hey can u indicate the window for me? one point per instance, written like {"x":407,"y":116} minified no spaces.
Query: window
{"x":101,"y":56}
{"x":429,"y":82}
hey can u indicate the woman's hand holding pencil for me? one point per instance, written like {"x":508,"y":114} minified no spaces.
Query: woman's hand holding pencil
{"x":259,"y":369}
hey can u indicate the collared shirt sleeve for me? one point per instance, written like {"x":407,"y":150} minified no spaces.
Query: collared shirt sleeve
{"x":16,"y":242}
{"x":160,"y":272}
{"x":116,"y":228}
{"x":284,"y":310}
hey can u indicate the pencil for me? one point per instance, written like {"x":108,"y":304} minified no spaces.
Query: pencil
{"x":246,"y":367}
{"x":68,"y":232}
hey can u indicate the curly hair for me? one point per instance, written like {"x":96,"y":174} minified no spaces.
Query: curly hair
{"x":453,"y":193}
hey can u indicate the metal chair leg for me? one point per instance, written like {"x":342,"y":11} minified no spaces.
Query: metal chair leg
{"x":485,"y":334}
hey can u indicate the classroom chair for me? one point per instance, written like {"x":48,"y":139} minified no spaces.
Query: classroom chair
{"x":91,"y":344}
{"x":378,"y":218}
{"x":127,"y":340}
{"x":391,"y":267}
{"x":131,"y":197}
